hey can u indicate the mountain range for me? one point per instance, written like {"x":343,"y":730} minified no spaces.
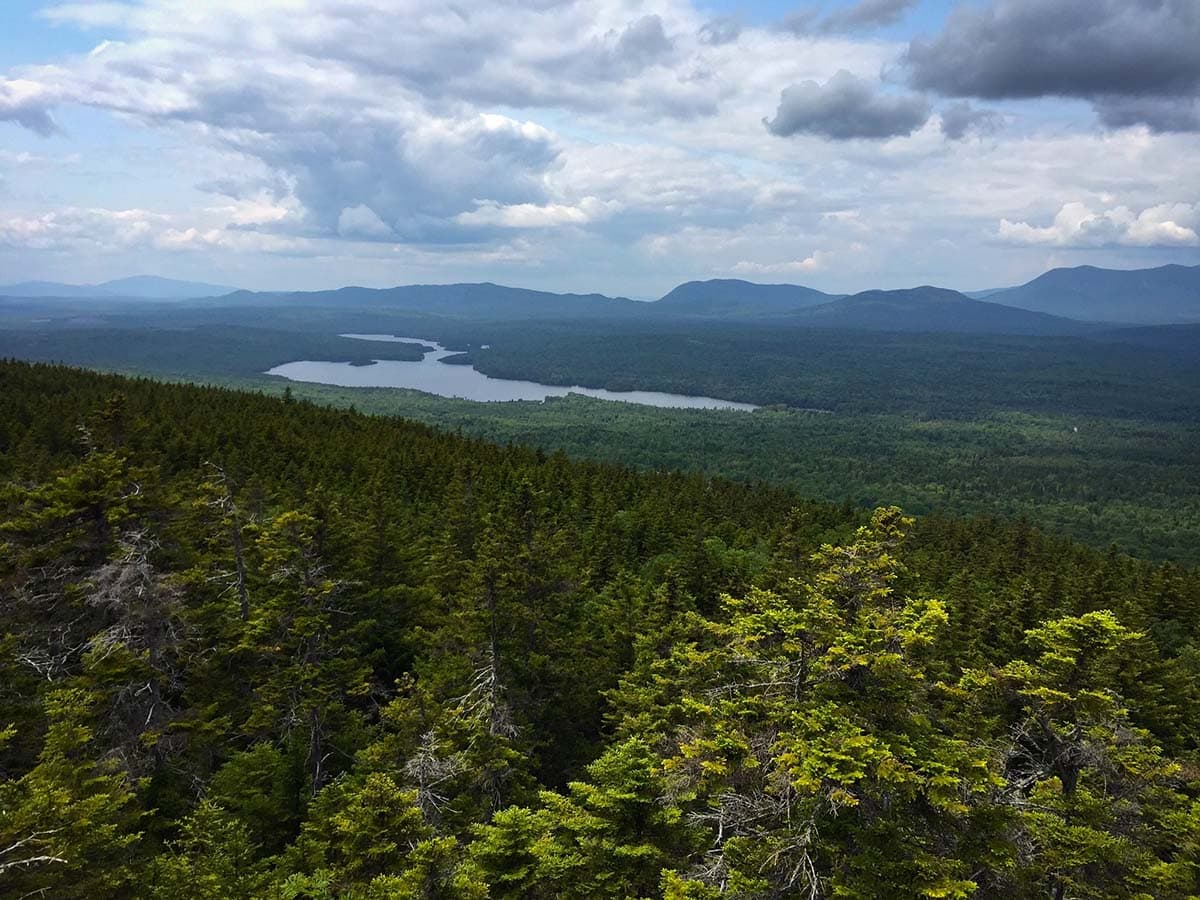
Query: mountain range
{"x":724,"y":297}
{"x":141,"y":287}
{"x":1061,"y":301}
{"x":932,"y":309}
{"x":719,"y":301}
{"x":1162,"y":296}
{"x":472,"y":301}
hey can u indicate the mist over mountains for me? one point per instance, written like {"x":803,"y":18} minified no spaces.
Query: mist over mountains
{"x":1162,"y":296}
{"x":933,"y":309}
{"x":729,"y":296}
{"x":143,"y":287}
{"x":1059,"y":302}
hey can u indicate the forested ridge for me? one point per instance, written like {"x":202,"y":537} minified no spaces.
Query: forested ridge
{"x":1090,"y":437}
{"x":260,"y":648}
{"x":1104,"y":482}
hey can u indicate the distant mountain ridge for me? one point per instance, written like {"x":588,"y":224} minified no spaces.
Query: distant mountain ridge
{"x":722,"y":300}
{"x":483,"y":300}
{"x":1161,"y":296}
{"x":1165,"y":295}
{"x":731,"y":296}
{"x":1057,"y":302}
{"x":936,"y":309}
{"x":145,"y":287}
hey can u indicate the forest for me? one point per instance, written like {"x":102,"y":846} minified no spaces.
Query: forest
{"x":260,"y":646}
{"x":1106,"y":482}
{"x":1092,"y":437}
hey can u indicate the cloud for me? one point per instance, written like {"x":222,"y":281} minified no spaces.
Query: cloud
{"x":644,"y":42}
{"x":1136,"y":60}
{"x":868,"y":14}
{"x":960,"y":119}
{"x":1078,"y":225}
{"x":350,"y":140}
{"x":1162,"y":114}
{"x":529,"y":215}
{"x":846,"y":107}
{"x":260,"y":209}
{"x":26,"y":160}
{"x":207,"y":239}
{"x":862,"y":16}
{"x":353,"y":106}
{"x":719,"y":31}
{"x":362,"y":222}
{"x":814,"y":263}
{"x":91,"y":14}
{"x":80,"y":229}
{"x":26,"y":103}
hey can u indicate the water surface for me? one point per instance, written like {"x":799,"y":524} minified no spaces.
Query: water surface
{"x":435,"y":377}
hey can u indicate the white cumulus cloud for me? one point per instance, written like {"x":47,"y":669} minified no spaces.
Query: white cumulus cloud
{"x":530,"y":215}
{"x":615,"y":145}
{"x":1079,"y":225}
{"x":815,"y":262}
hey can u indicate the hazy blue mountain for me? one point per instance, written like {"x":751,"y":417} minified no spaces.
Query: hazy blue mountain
{"x":718,"y":299}
{"x":152,"y":287}
{"x":1161,"y":296}
{"x":147,"y":287}
{"x":932,"y":309}
{"x":47,"y":289}
{"x":983,"y":295}
{"x":731,"y":297}
{"x":485,"y":301}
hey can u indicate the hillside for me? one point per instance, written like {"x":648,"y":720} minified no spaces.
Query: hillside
{"x":725,"y":297}
{"x":1165,"y":295}
{"x":486,"y":301}
{"x":278,"y":650}
{"x":919,"y":309}
{"x":145,"y":287}
{"x":932,"y":309}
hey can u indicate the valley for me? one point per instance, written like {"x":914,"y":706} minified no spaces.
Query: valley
{"x":1090,"y":430}
{"x":604,"y":450}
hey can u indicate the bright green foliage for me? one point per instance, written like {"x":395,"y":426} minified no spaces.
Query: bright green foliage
{"x":368,"y":838}
{"x":256,"y":649}
{"x":298,"y":638}
{"x":75,"y":518}
{"x":807,"y":742}
{"x":1101,"y":808}
{"x":965,"y":424}
{"x":69,"y":827}
{"x":262,"y":787}
{"x":362,"y":829}
{"x":213,"y":859}
{"x":609,"y":836}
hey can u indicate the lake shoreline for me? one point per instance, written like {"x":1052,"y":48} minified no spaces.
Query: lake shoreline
{"x":461,"y":380}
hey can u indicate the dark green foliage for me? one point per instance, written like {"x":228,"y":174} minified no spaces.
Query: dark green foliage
{"x":255,"y":648}
{"x":1133,"y":484}
{"x":201,"y":351}
{"x":1144,"y":375}
{"x":1093,"y":437}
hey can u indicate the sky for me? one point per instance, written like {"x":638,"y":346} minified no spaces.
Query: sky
{"x":616,"y":146}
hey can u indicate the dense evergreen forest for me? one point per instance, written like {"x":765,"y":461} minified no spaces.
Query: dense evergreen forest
{"x":258,"y":647}
{"x":1152,"y":374}
{"x":1103,"y":481}
{"x":1093,"y":437}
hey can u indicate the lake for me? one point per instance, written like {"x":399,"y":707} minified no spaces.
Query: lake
{"x":435,"y":377}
